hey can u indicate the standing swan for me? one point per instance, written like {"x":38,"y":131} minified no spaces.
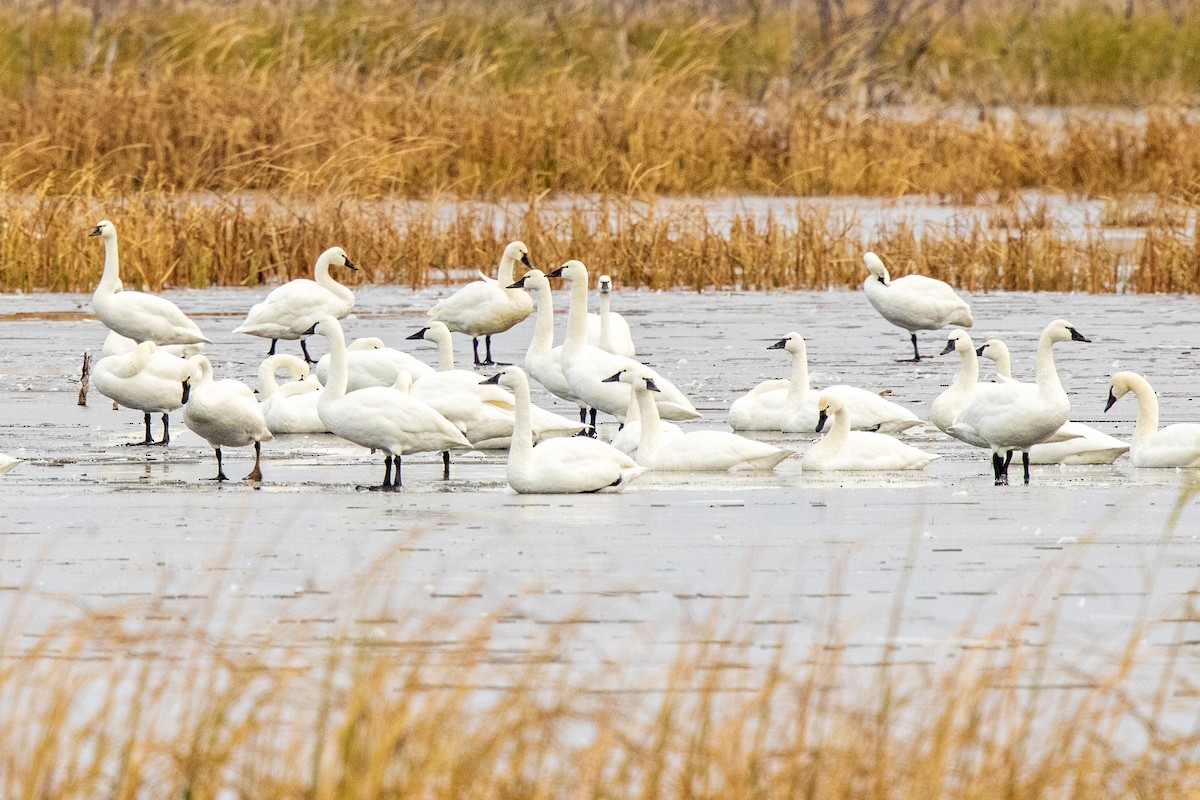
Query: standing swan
{"x":914,"y":302}
{"x":288,"y":311}
{"x":487,"y":307}
{"x":148,"y":379}
{"x":137,"y":315}
{"x":1015,"y":416}
{"x":559,"y":466}
{"x":844,"y":449}
{"x":543,"y":361}
{"x":379,"y":417}
{"x":1173,"y":446}
{"x":224,"y":413}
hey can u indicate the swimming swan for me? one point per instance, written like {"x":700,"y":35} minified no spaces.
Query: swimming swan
{"x":559,"y":466}
{"x":1015,"y":416}
{"x":487,"y":307}
{"x":608,"y":330}
{"x":842,"y":449}
{"x":224,"y":413}
{"x":137,"y":315}
{"x":147,"y":379}
{"x":1176,"y":445}
{"x":380,"y":417}
{"x":695,"y":451}
{"x":292,"y":407}
{"x":289,"y":310}
{"x":914,"y":302}
{"x":370,"y":363}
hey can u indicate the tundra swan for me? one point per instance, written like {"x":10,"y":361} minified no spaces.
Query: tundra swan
{"x":116,"y":345}
{"x":1015,"y":416}
{"x":1176,"y":445}
{"x":608,"y":330}
{"x":487,"y":307}
{"x":914,"y":302}
{"x":559,"y":466}
{"x":370,"y":363}
{"x":543,"y":361}
{"x":7,"y":463}
{"x":224,"y":413}
{"x":289,"y":310}
{"x":292,"y":407}
{"x":629,"y":437}
{"x":137,"y":315}
{"x":946,"y":405}
{"x":147,"y":379}
{"x":695,"y":451}
{"x":380,"y":417}
{"x":843,"y":449}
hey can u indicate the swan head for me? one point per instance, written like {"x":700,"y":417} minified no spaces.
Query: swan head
{"x":534,"y":279}
{"x":366,"y":343}
{"x":511,"y":377}
{"x":992,"y":349}
{"x":605,"y":284}
{"x":875,"y":266}
{"x":104,"y":228}
{"x":325,"y":325}
{"x":638,"y":377}
{"x":197,"y":369}
{"x":419,"y":334}
{"x":517,"y":251}
{"x":827,"y":406}
{"x":1062,"y":331}
{"x":792,"y":343}
{"x":574,"y":271}
{"x":435,"y":331}
{"x":1119,"y":385}
{"x":958,"y":340}
{"x":337,"y":256}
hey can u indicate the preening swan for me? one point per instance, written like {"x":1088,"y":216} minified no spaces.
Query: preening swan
{"x":147,"y":379}
{"x":608,"y":330}
{"x":487,"y":307}
{"x":914,"y":302}
{"x":844,"y":449}
{"x":1176,"y":445}
{"x":370,"y":363}
{"x":289,"y":310}
{"x":559,"y":466}
{"x":137,"y":315}
{"x":292,"y":407}
{"x":224,"y":413}
{"x":7,"y":463}
{"x":378,"y":417}
{"x":695,"y":451}
{"x":1015,"y":416}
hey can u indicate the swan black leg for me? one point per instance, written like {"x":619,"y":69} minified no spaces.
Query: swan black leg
{"x":149,"y":439}
{"x":916,"y":359}
{"x":271,"y":352}
{"x":396,"y":480}
{"x":592,"y":431}
{"x":221,"y":476}
{"x":166,"y":440}
{"x":475,"y":347}
{"x":256,"y":473}
{"x":445,"y":465}
{"x":304,"y":349}
{"x":583,"y":415}
{"x":1000,"y":470}
{"x":1025,"y":464}
{"x":488,"y":346}
{"x":386,"y":486}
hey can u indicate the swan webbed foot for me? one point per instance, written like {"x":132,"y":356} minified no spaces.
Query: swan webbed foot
{"x":161,"y":443}
{"x":221,"y":476}
{"x":256,"y":473}
{"x":383,"y":487}
{"x":271,"y":352}
{"x":142,"y":443}
{"x":304,"y":349}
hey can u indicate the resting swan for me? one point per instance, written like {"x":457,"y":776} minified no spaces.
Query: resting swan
{"x":608,"y":330}
{"x":1015,"y":416}
{"x":137,"y":315}
{"x":695,"y":451}
{"x":292,"y":407}
{"x":1176,"y":445}
{"x":559,"y":466}
{"x":1074,"y":442}
{"x":147,"y":379}
{"x":289,"y":310}
{"x":7,"y":463}
{"x":487,"y":307}
{"x":914,"y":302}
{"x":379,"y":417}
{"x":370,"y":363}
{"x":845,"y":450}
{"x":224,"y":413}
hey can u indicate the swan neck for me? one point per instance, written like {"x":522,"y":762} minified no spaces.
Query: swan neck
{"x":445,"y":354}
{"x":1047,"y":373}
{"x":1004,"y":364}
{"x":110,"y":279}
{"x":338,"y":370}
{"x":543,"y":331}
{"x":839,"y":431}
{"x":651,"y":437}
{"x":798,"y":385}
{"x":266,"y":379}
{"x":577,"y":317}
{"x":1147,"y":415}
{"x":520,"y":448}
{"x":605,"y":304}
{"x":505,"y":273}
{"x":327,"y":281}
{"x":968,"y":369}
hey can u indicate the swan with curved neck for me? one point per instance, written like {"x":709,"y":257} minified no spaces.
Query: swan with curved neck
{"x":292,"y":407}
{"x":1175,"y":445}
{"x":558,"y":466}
{"x":913,"y":302}
{"x":842,"y":449}
{"x":288,"y":311}
{"x":224,"y":413}
{"x":137,"y":315}
{"x":487,"y":307}
{"x":147,"y":379}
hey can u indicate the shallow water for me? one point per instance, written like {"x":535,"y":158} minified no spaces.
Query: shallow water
{"x":87,"y":523}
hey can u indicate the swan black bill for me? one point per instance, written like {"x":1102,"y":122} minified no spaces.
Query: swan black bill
{"x":612,"y":378}
{"x":556,"y":274}
{"x":96,"y":232}
{"x":782,"y":343}
{"x":821,"y":417}
{"x":950,"y":348}
{"x":1076,"y":336}
{"x":350,"y":265}
{"x":187,"y":392}
{"x":518,"y":285}
{"x":525,"y":260}
{"x":1112,"y":398}
{"x":651,"y":385}
{"x":979,"y":350}
{"x":418,"y":335}
{"x":495,"y":379}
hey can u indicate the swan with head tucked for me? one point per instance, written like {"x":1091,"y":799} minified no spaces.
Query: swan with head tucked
{"x":695,"y":451}
{"x":379,"y":417}
{"x":559,"y":466}
{"x":7,"y":463}
{"x":1175,"y":445}
{"x":543,"y":361}
{"x":147,"y":379}
{"x":137,"y":315}
{"x":913,"y":302}
{"x":487,"y":307}
{"x":842,"y":449}
{"x":289,"y":310}
{"x":370,"y":363}
{"x":608,"y":330}
{"x":586,"y":367}
{"x":292,"y":407}
{"x":1074,"y":442}
{"x":224,"y":413}
{"x":1015,"y":416}
{"x":794,"y":405}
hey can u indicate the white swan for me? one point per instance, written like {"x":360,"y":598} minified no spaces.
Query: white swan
{"x":842,"y":449}
{"x":695,"y":451}
{"x":117,"y":345}
{"x":559,"y":466}
{"x":370,"y":363}
{"x":224,"y":413}
{"x":914,"y":302}
{"x":1015,"y":416}
{"x":1074,"y":442}
{"x":7,"y":463}
{"x":137,"y":315}
{"x":866,"y":410}
{"x":543,"y":361}
{"x":947,"y":405}
{"x":608,"y":330}
{"x":291,"y":408}
{"x":485,"y":413}
{"x":147,"y":379}
{"x":629,"y":437}
{"x":586,"y":367}
{"x":487,"y":307}
{"x":1176,"y":445}
{"x":290,"y":310}
{"x":379,"y":417}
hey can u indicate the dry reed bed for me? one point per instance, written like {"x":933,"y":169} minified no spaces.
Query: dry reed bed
{"x":171,"y":241}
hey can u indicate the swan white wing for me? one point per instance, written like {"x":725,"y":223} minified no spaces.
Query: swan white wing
{"x":715,"y":451}
{"x":7,"y":463}
{"x":1173,"y":446}
{"x":573,"y":466}
{"x":146,"y":317}
{"x":291,"y":309}
{"x":483,"y":308}
{"x":1010,"y":416}
{"x":865,"y":451}
{"x":375,"y":367}
{"x":294,"y":413}
{"x":1076,"y":443}
{"x":629,"y":438}
{"x":388,"y":420}
{"x":762,"y":408}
